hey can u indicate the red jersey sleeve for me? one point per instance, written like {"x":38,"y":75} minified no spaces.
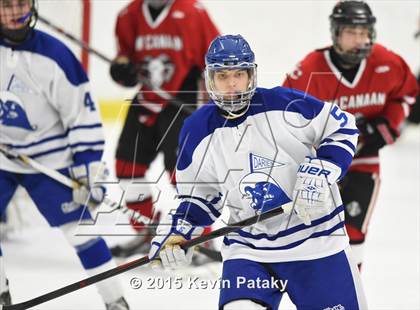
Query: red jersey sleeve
{"x":125,"y":31}
{"x":402,"y":95}
{"x":300,"y":77}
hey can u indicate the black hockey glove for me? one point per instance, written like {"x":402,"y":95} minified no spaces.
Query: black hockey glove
{"x":375,"y":134}
{"x":124,"y":73}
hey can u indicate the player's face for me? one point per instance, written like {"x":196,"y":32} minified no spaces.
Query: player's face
{"x":12,"y":12}
{"x":353,"y":38}
{"x":231,"y":83}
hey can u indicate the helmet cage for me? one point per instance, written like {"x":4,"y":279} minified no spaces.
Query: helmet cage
{"x":233,"y":107}
{"x":352,"y":57}
{"x":352,"y":14}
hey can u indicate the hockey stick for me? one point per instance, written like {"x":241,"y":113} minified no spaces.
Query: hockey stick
{"x":160,"y":92}
{"x":145,"y":260}
{"x":55,"y":175}
{"x":71,"y":37}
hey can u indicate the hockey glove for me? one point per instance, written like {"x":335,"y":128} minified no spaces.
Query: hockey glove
{"x":312,"y":188}
{"x":124,"y":72}
{"x":375,"y":134}
{"x":90,"y":175}
{"x":170,"y":234}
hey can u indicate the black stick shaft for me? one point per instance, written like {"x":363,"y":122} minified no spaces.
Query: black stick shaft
{"x":139,"y":262}
{"x":78,"y":285}
{"x":187,"y":108}
{"x":79,"y":42}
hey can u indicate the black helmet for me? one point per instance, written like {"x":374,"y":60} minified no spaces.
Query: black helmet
{"x":19,"y":35}
{"x":352,"y":13}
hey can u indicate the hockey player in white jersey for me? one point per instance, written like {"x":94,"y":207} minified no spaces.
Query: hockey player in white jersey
{"x":47,"y":113}
{"x":253,"y":149}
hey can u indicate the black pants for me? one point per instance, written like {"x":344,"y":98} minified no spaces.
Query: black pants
{"x":358,"y":191}
{"x":140,"y":144}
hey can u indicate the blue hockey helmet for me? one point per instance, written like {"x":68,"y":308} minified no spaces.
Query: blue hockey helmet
{"x":231,"y":52}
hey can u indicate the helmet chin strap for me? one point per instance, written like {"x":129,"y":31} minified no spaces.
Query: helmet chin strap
{"x":24,"y":18}
{"x":231,"y":115}
{"x":348,"y":60}
{"x":16,"y":35}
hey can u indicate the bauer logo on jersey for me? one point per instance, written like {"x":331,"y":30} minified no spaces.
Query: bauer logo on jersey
{"x":12,"y":113}
{"x":262,"y":191}
{"x":157,"y":70}
{"x":259,"y":163}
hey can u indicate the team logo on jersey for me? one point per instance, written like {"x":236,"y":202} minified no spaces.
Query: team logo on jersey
{"x":360,"y":100}
{"x":159,"y":42}
{"x":262,"y":191}
{"x":178,"y":14}
{"x":12,"y":113}
{"x":259,"y":163}
{"x":353,"y":208}
{"x":337,"y":307}
{"x":382,"y":69}
{"x":157,"y":70}
{"x":18,"y":86}
{"x":68,"y":207}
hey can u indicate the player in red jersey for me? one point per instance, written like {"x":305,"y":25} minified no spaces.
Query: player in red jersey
{"x":161,"y":46}
{"x":370,"y":81}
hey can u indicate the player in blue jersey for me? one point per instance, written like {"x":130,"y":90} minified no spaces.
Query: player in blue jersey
{"x":253,"y":149}
{"x":47,"y":113}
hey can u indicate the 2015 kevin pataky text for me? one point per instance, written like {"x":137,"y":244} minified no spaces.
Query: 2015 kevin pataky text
{"x":197,"y":283}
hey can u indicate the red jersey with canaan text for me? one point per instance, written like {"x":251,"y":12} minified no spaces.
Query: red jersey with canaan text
{"x":167,"y":48}
{"x":383,"y":86}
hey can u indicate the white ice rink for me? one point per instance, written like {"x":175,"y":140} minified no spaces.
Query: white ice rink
{"x":38,"y":259}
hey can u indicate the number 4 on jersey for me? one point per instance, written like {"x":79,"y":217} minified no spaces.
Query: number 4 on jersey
{"x":89,"y":103}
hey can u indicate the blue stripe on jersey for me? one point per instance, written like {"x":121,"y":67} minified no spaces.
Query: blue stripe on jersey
{"x":60,"y":136}
{"x":101,"y":142}
{"x":337,"y":155}
{"x":294,"y":229}
{"x":290,"y":245}
{"x":346,"y":142}
{"x":208,"y":204}
{"x":60,"y":149}
{"x":46,"y":45}
{"x":89,"y":126}
{"x":346,"y":131}
{"x":48,"y":139}
{"x":206,"y":120}
{"x":193,"y":214}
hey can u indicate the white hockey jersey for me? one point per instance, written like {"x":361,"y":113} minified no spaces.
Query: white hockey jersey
{"x":46,"y":109}
{"x":249,"y":165}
